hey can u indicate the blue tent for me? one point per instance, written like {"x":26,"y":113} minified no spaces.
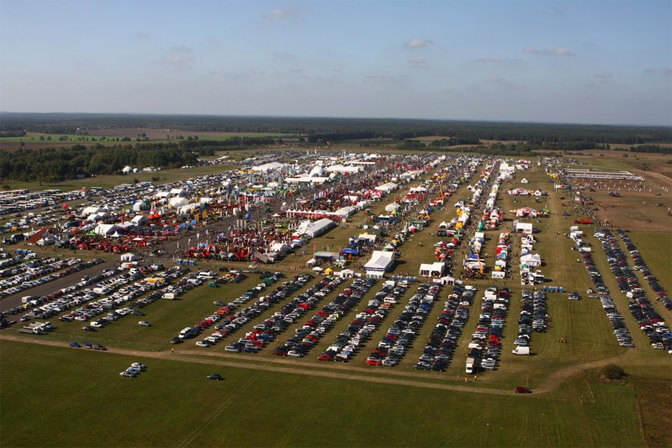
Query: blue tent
{"x":350,"y":251}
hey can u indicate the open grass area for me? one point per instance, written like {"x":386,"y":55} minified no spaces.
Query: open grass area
{"x":656,"y":250}
{"x":174,"y":404}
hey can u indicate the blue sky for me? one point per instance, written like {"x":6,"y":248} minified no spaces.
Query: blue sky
{"x":568,"y":61}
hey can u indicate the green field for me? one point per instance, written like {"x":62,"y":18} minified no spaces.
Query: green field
{"x":174,"y":404}
{"x":656,"y":250}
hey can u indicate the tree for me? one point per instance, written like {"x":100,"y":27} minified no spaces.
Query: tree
{"x":613,"y":372}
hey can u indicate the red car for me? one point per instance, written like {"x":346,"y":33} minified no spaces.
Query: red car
{"x":522,"y":390}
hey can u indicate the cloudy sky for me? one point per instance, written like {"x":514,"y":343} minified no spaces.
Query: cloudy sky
{"x":605,"y":61}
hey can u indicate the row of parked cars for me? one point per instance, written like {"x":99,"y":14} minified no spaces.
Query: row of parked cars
{"x":641,"y":266}
{"x":533,"y":316}
{"x":647,"y":317}
{"x":227,"y":320}
{"x":364,"y":323}
{"x":31,"y":302}
{"x":121,"y":302}
{"x":400,"y":335}
{"x":268,"y":330}
{"x":222,"y":312}
{"x":312,"y":330}
{"x":93,"y":303}
{"x":486,"y":346}
{"x":38,"y":273}
{"x":440,"y":348}
{"x":620,"y":331}
{"x":10,"y":260}
{"x":138,"y":289}
{"x":37,"y":328}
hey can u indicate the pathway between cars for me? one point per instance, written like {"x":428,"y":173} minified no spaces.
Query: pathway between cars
{"x":337,"y":373}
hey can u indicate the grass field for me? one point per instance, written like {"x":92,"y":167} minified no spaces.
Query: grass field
{"x":174,"y":404}
{"x":656,"y":250}
{"x":270,"y":401}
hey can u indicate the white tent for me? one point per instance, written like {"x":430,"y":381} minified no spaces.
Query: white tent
{"x":524,"y":227}
{"x":393,"y":207}
{"x":368,"y":237}
{"x":127,"y":257}
{"x":432,"y":269}
{"x":532,"y":260}
{"x":90,"y":210}
{"x":178,"y":201}
{"x":314,"y":229}
{"x":105,"y":229}
{"x":380,"y":262}
{"x":387,"y":187}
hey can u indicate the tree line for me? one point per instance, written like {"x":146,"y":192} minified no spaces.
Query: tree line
{"x":50,"y":164}
{"x":319,"y":130}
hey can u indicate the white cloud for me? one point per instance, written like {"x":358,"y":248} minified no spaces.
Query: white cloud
{"x":560,"y":51}
{"x":179,"y":57}
{"x":142,"y":35}
{"x":417,"y":61}
{"x":279,"y":14}
{"x":417,"y":43}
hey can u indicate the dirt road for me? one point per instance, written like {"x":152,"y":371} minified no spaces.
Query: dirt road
{"x":329,"y":370}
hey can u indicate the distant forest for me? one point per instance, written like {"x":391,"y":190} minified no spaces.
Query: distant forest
{"x":61,"y":163}
{"x":335,"y":129}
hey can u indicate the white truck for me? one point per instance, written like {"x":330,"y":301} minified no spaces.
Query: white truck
{"x":519,"y":350}
{"x":471,"y":362}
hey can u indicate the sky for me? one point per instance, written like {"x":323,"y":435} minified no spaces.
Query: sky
{"x":592,"y":62}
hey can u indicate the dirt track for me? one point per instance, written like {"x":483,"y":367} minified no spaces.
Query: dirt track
{"x":329,"y":371}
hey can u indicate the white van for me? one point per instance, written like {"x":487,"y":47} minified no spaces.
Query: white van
{"x":188,"y":333}
{"x":26,"y":299}
{"x":521,"y":350}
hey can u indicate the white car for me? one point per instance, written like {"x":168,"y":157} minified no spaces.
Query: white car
{"x":137,"y":365}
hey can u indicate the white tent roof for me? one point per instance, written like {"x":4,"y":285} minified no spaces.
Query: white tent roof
{"x":380,"y":260}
